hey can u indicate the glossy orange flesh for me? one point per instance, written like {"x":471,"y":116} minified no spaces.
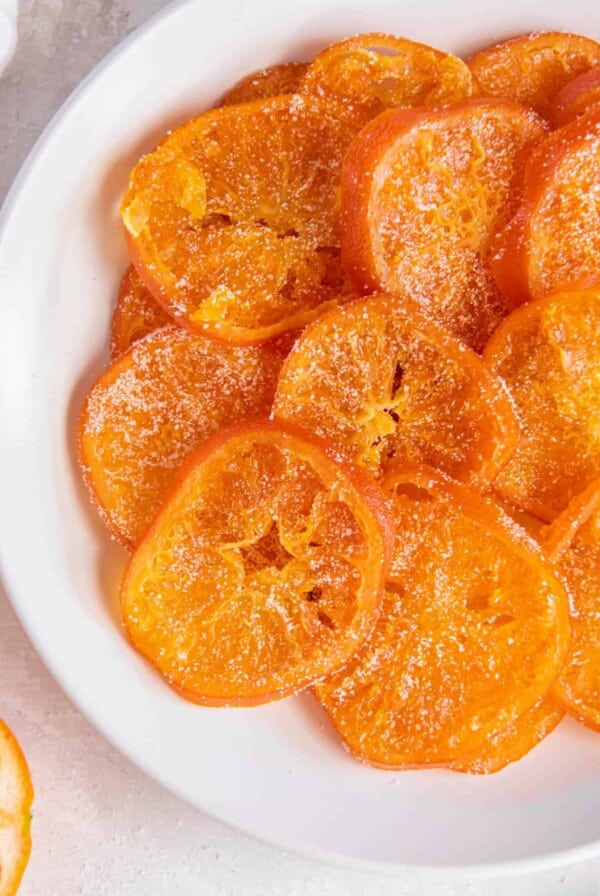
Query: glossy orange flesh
{"x":233,"y":221}
{"x":511,"y":743}
{"x":578,"y":96}
{"x":364,"y":75}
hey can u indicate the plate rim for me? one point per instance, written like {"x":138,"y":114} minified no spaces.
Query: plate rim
{"x":9,"y":581}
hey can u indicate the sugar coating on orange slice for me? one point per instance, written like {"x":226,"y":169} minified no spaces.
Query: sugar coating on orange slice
{"x":534,"y":68}
{"x":573,"y":541}
{"x":364,"y":75}
{"x":384,"y":384}
{"x":553,"y":240}
{"x":514,"y":741}
{"x":156,"y":404}
{"x":423,"y":193}
{"x":262,"y":573}
{"x":272,"y":81}
{"x":473,"y":629}
{"x":233,"y":221}
{"x":548,"y":354}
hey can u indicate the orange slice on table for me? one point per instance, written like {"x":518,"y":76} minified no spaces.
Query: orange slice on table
{"x":16,"y":798}
{"x":263,"y":571}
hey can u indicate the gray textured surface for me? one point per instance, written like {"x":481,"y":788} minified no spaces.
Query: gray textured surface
{"x":101,"y":828}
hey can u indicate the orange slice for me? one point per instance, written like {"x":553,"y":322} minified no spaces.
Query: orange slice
{"x":513,"y":742}
{"x":153,"y":407}
{"x":423,"y":193}
{"x":262,"y":573}
{"x":473,"y":630}
{"x":553,"y":240}
{"x":383,"y":383}
{"x":16,"y":798}
{"x":548,"y":354}
{"x":233,"y":221}
{"x":533,"y":69}
{"x":364,"y":75}
{"x":578,"y":96}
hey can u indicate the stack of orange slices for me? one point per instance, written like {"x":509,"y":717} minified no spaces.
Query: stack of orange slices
{"x":351,"y":430}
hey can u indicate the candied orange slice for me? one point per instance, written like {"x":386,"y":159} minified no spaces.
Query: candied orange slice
{"x":514,"y":741}
{"x":136,"y":314}
{"x":473,"y":629}
{"x":272,"y":81}
{"x":578,"y":96}
{"x":153,"y":406}
{"x":422,"y":194}
{"x":233,"y":221}
{"x":532,"y":69}
{"x":548,"y":354}
{"x":553,"y":240}
{"x":573,"y":542}
{"x":362,"y":76}
{"x":381,"y":382}
{"x":16,"y":797}
{"x":262,"y":573}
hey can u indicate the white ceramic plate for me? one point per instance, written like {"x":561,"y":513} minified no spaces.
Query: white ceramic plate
{"x":276,"y":772}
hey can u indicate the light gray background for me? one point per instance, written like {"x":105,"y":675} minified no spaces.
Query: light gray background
{"x":100,"y":827}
